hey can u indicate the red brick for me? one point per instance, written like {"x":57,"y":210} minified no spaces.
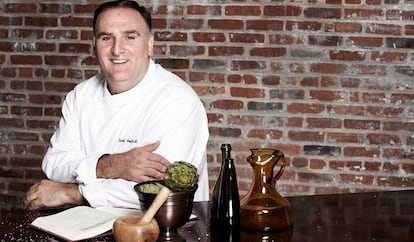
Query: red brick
{"x":20,"y":8}
{"x":204,"y":10}
{"x":348,"y":27}
{"x":271,"y":80}
{"x":225,"y":24}
{"x":325,"y":40}
{"x":282,"y":10}
{"x":166,"y":9}
{"x":75,"y":48}
{"x":323,"y":95}
{"x":247,"y":92}
{"x":294,"y":122}
{"x":24,"y":136}
{"x":265,"y":134}
{"x":84,"y":8}
{"x":305,"y":108}
{"x":372,"y":166}
{"x":227,"y":104}
{"x":362,"y":124}
{"x":237,"y":10}
{"x":11,"y":122}
{"x":328,"y":68}
{"x":361,"y":152}
{"x":331,"y":13}
{"x":345,"y":137}
{"x":287,"y":94}
{"x":409,"y":29}
{"x":245,"y":38}
{"x":41,"y":21}
{"x":306,"y":136}
{"x":216,"y":77}
{"x":376,"y":70}
{"x":268,"y":52}
{"x":329,"y":81}
{"x":323,"y":123}
{"x":373,"y":2}
{"x":317,"y":164}
{"x":207,"y":90}
{"x":394,"y":181}
{"x":171,"y":63}
{"x":246,"y":120}
{"x":76,"y":21}
{"x":12,"y":21}
{"x":385,"y":112}
{"x":347,"y":55}
{"x":315,"y":177}
{"x":384,"y":29}
{"x":55,"y":8}
{"x":27,"y":33}
{"x":346,"y":165}
{"x":264,"y":106}
{"x":170,"y":36}
{"x":364,"y":14}
{"x":248,"y":65}
{"x":365,"y":41}
{"x":45,"y":99}
{"x":60,"y":60}
{"x":357,"y":179}
{"x":303,"y":25}
{"x":389,"y":56}
{"x":225,"y":51}
{"x":402,"y":98}
{"x":180,"y":50}
{"x":225,"y":132}
{"x":284,"y":39}
{"x":26,"y":60}
{"x":264,"y":25}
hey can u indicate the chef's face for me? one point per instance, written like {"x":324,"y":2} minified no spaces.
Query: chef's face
{"x":123,"y":46}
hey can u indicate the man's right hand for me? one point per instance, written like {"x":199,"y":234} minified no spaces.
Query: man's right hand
{"x":139,"y":164}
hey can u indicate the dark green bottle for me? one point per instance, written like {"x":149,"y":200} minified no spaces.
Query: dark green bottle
{"x":225,"y":203}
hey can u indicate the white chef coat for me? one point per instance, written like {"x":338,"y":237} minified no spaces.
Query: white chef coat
{"x":94,"y":122}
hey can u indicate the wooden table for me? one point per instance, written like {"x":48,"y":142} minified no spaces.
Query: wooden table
{"x":378,"y":216}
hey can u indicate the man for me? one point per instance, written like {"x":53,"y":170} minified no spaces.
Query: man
{"x":123,"y":126}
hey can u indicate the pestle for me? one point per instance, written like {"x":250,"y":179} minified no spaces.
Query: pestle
{"x":155,"y":205}
{"x":137,"y":228}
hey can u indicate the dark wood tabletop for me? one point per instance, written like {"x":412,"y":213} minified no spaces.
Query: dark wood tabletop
{"x":374,"y":216}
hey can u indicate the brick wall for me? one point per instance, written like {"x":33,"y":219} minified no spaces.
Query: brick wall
{"x":330,"y":83}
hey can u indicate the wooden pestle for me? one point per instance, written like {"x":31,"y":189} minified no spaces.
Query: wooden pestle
{"x":155,"y":205}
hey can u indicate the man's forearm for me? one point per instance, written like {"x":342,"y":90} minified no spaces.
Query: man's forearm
{"x":73,"y":194}
{"x":105,"y":167}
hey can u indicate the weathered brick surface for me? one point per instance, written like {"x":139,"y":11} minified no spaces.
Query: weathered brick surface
{"x":330,"y":83}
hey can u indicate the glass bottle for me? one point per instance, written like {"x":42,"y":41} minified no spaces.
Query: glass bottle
{"x":225,"y":208}
{"x":263,"y":208}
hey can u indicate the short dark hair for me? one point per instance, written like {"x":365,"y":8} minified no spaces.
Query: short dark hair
{"x":125,"y":4}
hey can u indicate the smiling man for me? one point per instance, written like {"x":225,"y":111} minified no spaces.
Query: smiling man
{"x":123,"y":126}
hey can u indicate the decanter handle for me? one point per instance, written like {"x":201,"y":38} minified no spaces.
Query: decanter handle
{"x":281,"y":158}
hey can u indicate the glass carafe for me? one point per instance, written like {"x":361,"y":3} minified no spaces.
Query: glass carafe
{"x":263,"y":208}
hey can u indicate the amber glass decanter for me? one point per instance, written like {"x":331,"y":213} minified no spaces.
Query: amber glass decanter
{"x":263,"y":208}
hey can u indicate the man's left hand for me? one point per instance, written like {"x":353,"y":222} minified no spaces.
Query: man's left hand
{"x":47,"y":193}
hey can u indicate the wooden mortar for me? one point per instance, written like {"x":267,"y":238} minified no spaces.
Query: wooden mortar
{"x":137,"y":228}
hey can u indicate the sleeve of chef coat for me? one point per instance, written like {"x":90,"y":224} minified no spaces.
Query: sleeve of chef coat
{"x":64,"y":160}
{"x":184,"y":136}
{"x":110,"y":192}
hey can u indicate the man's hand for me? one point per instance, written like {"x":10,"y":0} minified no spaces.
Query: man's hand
{"x":138,"y":164}
{"x":48,"y":193}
